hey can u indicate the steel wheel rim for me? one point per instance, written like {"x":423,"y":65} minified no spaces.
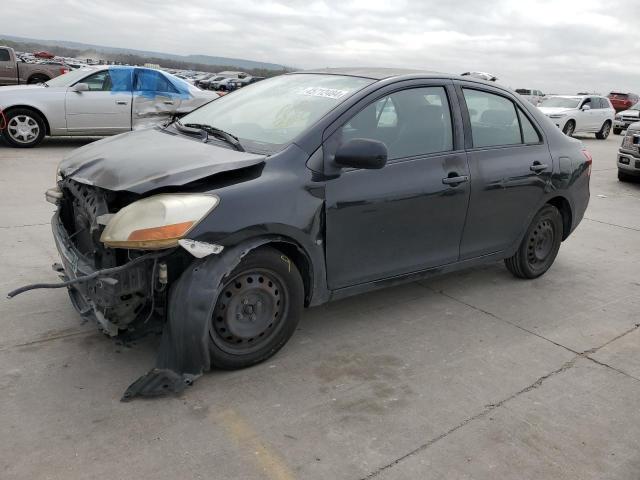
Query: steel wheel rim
{"x":23,"y":129}
{"x":540,"y":243}
{"x":249,"y":311}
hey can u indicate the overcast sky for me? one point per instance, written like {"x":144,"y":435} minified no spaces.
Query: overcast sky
{"x":557,"y":45}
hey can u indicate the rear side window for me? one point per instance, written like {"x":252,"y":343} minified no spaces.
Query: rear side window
{"x":152,"y":81}
{"x":410,"y":122}
{"x":529,"y":132}
{"x":494,"y":120}
{"x":4,"y":55}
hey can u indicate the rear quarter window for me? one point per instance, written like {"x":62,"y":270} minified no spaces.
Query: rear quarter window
{"x":4,"y":55}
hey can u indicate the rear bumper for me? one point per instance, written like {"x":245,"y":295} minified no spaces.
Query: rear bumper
{"x":113,"y":301}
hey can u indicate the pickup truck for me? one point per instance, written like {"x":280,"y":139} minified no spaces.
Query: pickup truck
{"x":15,"y":71}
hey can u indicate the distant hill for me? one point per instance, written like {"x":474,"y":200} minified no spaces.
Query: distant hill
{"x":199,"y":59}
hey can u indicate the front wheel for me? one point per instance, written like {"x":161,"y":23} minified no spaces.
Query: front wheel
{"x":604,"y":131}
{"x":257,"y":311}
{"x":25,"y":128}
{"x":540,"y":245}
{"x":617,"y":131}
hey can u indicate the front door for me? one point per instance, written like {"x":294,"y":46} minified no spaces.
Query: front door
{"x":510,"y":169}
{"x":105,"y":108}
{"x":407,"y":216}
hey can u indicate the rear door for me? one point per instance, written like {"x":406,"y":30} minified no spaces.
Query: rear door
{"x":105,"y":109}
{"x":8,"y":68}
{"x":510,"y":168}
{"x":155,"y":98}
{"x":409,"y":215}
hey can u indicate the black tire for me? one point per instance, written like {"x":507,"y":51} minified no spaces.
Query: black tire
{"x":604,"y":132}
{"x":539,"y":246}
{"x":25,"y":128}
{"x":569,"y":128}
{"x":257,"y":311}
{"x":617,"y":131}
{"x":624,"y":177}
{"x":37,"y":79}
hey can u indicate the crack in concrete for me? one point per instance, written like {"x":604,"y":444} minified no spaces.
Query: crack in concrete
{"x":613,"y":224}
{"x":583,"y":354}
{"x":490,"y":407}
{"x":44,"y":340}
{"x":483,"y":413}
{"x":25,"y":225}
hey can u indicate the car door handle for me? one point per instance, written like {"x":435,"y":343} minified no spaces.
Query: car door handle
{"x":121,"y":102}
{"x":455,"y":180}
{"x":168,"y":102}
{"x":538,"y":167}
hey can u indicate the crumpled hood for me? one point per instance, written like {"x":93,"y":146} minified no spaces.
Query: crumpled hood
{"x":555,"y":110}
{"x":146,"y":160}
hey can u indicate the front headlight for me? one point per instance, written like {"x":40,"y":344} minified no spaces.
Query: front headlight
{"x":618,"y":117}
{"x":157,"y":222}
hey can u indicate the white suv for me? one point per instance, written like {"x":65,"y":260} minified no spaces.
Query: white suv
{"x":580,"y":114}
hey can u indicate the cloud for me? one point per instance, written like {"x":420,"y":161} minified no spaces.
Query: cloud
{"x":568,"y":46}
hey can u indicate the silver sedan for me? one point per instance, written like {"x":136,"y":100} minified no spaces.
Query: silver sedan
{"x":95,"y":101}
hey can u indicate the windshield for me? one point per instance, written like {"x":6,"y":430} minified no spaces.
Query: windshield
{"x":562,"y":102}
{"x":636,"y":106}
{"x":273,"y":112}
{"x":70,"y":78}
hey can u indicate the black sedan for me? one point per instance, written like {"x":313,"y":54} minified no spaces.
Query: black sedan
{"x":299,"y":190}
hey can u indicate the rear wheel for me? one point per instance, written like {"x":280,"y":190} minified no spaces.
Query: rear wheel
{"x":617,"y":131}
{"x":540,"y":245}
{"x":257,"y":311}
{"x":25,"y":128}
{"x":569,"y":128}
{"x":604,"y":131}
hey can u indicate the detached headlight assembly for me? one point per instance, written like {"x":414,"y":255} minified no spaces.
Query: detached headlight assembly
{"x":157,"y":222}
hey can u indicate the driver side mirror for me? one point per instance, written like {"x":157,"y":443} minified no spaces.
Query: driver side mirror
{"x":585,"y":108}
{"x":362,"y":153}
{"x":80,"y":87}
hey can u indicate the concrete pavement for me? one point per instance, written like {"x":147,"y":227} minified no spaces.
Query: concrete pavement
{"x":475,"y":375}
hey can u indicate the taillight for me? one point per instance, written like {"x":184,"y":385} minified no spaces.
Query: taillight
{"x":63,"y":71}
{"x":589,"y":162}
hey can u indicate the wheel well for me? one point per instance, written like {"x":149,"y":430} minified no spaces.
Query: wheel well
{"x":563,"y":206}
{"x":301,"y":261}
{"x":28,"y":107}
{"x":38,"y":75}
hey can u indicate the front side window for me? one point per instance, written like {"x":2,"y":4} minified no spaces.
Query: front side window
{"x":494,"y":120}
{"x":99,"y":82}
{"x":273,"y":112}
{"x":411,"y":122}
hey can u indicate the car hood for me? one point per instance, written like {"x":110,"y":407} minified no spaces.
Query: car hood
{"x":555,"y":110}
{"x":630,"y":113}
{"x":146,"y":160}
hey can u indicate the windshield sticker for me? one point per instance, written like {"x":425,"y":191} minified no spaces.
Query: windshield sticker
{"x":324,"y":92}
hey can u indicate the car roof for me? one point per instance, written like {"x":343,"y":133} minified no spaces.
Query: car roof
{"x":374,"y":73}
